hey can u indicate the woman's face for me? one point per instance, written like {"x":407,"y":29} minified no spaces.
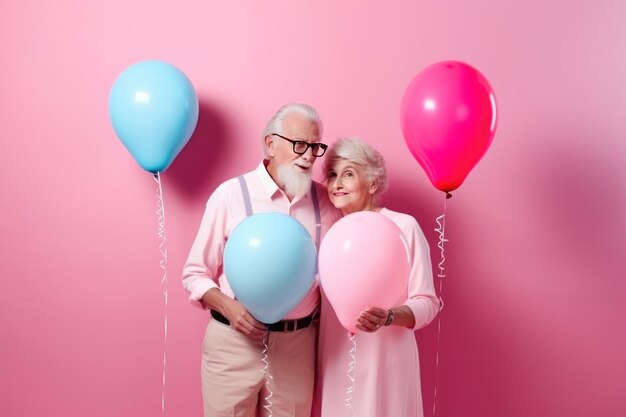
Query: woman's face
{"x":348,"y":188}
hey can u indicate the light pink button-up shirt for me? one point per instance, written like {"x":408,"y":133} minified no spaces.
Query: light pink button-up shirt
{"x":225,"y":210}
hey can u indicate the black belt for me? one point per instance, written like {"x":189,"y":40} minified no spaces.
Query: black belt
{"x":281,"y":326}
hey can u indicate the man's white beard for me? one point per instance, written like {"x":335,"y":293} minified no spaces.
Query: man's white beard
{"x":295,"y":183}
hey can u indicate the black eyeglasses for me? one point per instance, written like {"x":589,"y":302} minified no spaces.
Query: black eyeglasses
{"x":300,"y":147}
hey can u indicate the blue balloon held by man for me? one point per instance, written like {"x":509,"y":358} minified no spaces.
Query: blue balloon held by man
{"x":270,"y":261}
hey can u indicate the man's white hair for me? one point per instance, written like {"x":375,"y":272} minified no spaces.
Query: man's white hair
{"x":275,"y":125}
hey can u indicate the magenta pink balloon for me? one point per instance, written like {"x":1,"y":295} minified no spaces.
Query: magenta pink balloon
{"x":448,"y":119}
{"x":364,"y":261}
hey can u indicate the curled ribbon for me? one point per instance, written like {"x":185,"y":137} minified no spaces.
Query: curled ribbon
{"x":441,"y":228}
{"x":351,"y":372}
{"x":163,"y":265}
{"x":268,"y":376}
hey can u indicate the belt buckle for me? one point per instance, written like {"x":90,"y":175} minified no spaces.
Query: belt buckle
{"x":293,"y":325}
{"x":289,"y":324}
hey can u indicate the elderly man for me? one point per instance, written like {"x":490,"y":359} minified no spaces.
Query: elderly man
{"x":232,"y":381}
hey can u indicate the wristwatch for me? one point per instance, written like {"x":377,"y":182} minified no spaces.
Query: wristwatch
{"x":389,"y":318}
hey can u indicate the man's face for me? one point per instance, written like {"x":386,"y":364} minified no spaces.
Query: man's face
{"x":298,"y":128}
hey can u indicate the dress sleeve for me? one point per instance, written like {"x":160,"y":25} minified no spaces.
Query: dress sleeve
{"x":422,"y":298}
{"x":205,"y":261}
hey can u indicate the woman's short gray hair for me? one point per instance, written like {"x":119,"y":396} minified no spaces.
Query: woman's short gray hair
{"x":359,"y":152}
{"x":275,"y":124}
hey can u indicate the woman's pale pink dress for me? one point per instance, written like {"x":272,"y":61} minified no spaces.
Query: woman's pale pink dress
{"x":387,"y":377}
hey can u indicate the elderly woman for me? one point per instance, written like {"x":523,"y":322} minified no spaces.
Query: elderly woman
{"x":387,"y":364}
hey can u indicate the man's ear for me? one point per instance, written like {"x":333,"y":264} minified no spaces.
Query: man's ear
{"x":270,"y":145}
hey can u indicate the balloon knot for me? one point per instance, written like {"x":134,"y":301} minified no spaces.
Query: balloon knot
{"x":448,"y":195}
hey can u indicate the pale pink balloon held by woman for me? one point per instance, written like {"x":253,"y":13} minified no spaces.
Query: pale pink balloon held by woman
{"x":387,"y":377}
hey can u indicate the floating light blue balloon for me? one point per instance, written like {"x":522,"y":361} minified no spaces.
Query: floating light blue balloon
{"x":270,"y":263}
{"x":154,"y":111}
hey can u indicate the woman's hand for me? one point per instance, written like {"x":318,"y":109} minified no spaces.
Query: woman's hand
{"x":371,"y":319}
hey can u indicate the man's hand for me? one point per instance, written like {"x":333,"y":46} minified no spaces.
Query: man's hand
{"x":235,"y":312}
{"x":241,"y":320}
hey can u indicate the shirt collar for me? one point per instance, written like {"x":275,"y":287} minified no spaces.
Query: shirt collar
{"x":266,"y":179}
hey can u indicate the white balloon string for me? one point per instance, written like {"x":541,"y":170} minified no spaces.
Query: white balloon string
{"x":163,"y":264}
{"x":268,"y":375}
{"x":441,"y":228}
{"x":351,"y":372}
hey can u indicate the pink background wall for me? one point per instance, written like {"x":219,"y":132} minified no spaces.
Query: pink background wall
{"x":533,"y":324}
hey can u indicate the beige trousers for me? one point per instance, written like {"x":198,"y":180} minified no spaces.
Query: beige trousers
{"x":233,"y":383}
